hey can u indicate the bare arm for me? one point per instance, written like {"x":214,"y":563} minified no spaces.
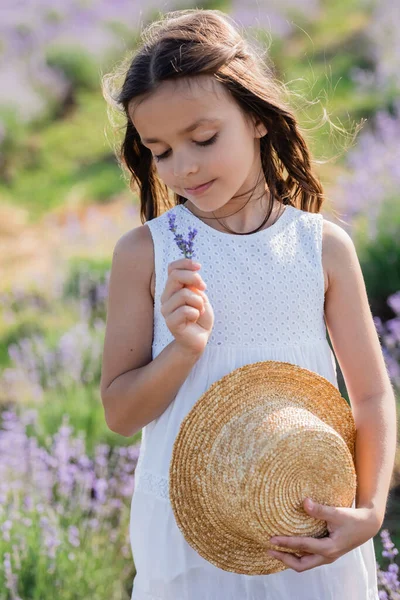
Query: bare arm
{"x":137,"y":397}
{"x":134,"y":388}
{"x":357,"y":347}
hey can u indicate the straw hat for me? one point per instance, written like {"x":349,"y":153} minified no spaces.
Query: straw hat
{"x":256,"y":444}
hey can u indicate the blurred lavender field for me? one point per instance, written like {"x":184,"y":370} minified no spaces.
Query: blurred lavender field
{"x":66,"y":479}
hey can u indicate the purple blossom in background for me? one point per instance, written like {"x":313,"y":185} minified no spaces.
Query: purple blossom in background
{"x":185,"y":246}
{"x":381,"y":49}
{"x":384,"y":43}
{"x":92,"y":296}
{"x":277,"y":18}
{"x":373,"y":171}
{"x":18,"y":299}
{"x":54,"y":497}
{"x":11,"y":579}
{"x":389,"y":333}
{"x":388,"y":580}
{"x":29,"y":29}
{"x":394,"y":303}
{"x":75,"y":360}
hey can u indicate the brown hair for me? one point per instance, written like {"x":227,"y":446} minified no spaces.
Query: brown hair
{"x":192,"y":42}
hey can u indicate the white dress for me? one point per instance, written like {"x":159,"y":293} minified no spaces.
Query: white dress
{"x":267,"y":293}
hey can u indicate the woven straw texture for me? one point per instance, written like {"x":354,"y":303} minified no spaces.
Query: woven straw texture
{"x":253,"y":447}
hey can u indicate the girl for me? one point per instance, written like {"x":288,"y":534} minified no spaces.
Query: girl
{"x":205,"y":119}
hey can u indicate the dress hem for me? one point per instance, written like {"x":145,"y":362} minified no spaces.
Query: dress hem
{"x":137,"y":594}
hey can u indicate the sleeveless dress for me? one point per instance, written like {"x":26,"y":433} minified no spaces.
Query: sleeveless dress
{"x":267,"y":293}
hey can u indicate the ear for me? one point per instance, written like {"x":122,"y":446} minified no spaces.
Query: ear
{"x":260,"y":128}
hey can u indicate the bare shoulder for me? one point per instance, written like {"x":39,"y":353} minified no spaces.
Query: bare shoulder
{"x":350,"y":322}
{"x":137,"y":245}
{"x":337,"y":246}
{"x":130,"y":312}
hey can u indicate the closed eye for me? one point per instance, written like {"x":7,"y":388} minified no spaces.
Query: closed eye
{"x":205,"y":143}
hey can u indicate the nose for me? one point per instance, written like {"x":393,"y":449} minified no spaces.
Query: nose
{"x":184,"y":166}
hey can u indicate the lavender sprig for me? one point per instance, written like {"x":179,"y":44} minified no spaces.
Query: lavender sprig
{"x":185,"y":246}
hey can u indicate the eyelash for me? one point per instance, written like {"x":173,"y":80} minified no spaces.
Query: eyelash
{"x":205,"y":143}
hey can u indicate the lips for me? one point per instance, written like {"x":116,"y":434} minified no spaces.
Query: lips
{"x":197,"y":186}
{"x":200,"y":187}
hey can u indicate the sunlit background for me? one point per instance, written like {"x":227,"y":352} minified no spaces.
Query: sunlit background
{"x":66,"y":481}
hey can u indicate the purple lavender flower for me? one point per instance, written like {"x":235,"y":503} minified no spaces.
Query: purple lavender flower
{"x":75,"y":360}
{"x":388,"y":580}
{"x":389,"y":335}
{"x":371,"y":179}
{"x":185,"y":246}
{"x":59,"y":504}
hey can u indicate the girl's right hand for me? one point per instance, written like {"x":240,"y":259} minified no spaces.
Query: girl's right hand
{"x":184,"y":305}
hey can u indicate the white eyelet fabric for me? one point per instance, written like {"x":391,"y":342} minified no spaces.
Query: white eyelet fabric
{"x":270,"y":284}
{"x":267,"y":293}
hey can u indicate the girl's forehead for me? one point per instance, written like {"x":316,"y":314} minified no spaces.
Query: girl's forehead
{"x":177,"y":111}
{"x":181,"y":99}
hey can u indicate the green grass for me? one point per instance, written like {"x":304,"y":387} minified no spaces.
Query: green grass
{"x":85,"y":413}
{"x":65,"y":159}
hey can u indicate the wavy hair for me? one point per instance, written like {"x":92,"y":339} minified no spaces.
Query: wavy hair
{"x":192,"y":42}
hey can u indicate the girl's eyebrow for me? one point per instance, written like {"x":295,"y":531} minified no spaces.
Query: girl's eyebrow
{"x":191,"y":127}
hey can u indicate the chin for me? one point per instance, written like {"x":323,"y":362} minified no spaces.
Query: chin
{"x":202,"y":207}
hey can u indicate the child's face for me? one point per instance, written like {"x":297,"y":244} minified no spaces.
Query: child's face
{"x":232,"y":159}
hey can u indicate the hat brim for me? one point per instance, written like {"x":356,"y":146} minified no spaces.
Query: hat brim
{"x":190,"y":480}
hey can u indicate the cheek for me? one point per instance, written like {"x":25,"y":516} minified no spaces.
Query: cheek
{"x":233,"y":155}
{"x":232,"y":165}
{"x":222,"y":162}
{"x":243,"y":154}
{"x":163,"y":172}
{"x":166,"y":175}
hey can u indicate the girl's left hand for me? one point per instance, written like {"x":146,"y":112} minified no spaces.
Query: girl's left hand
{"x":348,"y":528}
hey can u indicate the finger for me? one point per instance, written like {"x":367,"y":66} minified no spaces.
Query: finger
{"x":323,"y":512}
{"x":183,"y":263}
{"x":304,"y":544}
{"x":177,"y":320}
{"x":180,"y":278}
{"x":198,"y":292}
{"x":184,"y":296}
{"x":304,"y":563}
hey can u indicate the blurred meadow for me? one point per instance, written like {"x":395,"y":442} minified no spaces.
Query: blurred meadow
{"x":66,"y":480}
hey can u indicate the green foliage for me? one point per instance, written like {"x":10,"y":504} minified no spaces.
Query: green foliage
{"x":70,"y":157}
{"x":95,"y":568}
{"x":14,"y":129}
{"x":101,"y":180}
{"x":85,"y":414}
{"x":75,"y":63}
{"x":380,"y":257}
{"x":27,"y":326}
{"x":62,"y":160}
{"x":224,"y":5}
{"x":79,"y":267}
